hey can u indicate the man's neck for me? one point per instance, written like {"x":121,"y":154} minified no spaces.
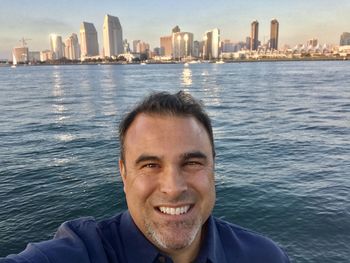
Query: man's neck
{"x":186,"y":256}
{"x":190,"y":253}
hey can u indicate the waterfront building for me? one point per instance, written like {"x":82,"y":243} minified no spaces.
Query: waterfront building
{"x":135,"y":46}
{"x":33,"y":56}
{"x":89,"y":42}
{"x":56,"y":46}
{"x":227,"y":46}
{"x":312,"y":43}
{"x":20,"y":55}
{"x":196,"y":51}
{"x":254,"y":35}
{"x":112,"y":36}
{"x":274,"y":34}
{"x":140,"y":47}
{"x":72,"y":49}
{"x":126,"y":46}
{"x":344,"y":50}
{"x":46,"y":55}
{"x":156,"y":52}
{"x":240,"y":46}
{"x":166,"y":46}
{"x":345,"y":39}
{"x":182,"y":43}
{"x":211,"y":47}
{"x":247,"y":43}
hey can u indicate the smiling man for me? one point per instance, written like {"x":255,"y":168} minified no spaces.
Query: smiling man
{"x":167,"y":166}
{"x":168,"y":174}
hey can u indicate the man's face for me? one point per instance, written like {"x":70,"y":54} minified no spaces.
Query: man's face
{"x":168,"y":179}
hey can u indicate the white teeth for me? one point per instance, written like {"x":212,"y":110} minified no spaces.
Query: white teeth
{"x":174,"y":211}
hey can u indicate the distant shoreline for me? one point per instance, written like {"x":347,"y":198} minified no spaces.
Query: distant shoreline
{"x":55,"y":63}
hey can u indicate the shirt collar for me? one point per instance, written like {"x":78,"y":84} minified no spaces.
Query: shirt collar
{"x":212,"y":249}
{"x":138,"y":247}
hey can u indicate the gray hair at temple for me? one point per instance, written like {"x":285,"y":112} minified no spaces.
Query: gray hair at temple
{"x":180,"y":104}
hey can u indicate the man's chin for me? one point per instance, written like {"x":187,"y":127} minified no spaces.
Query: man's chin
{"x":174,"y":238}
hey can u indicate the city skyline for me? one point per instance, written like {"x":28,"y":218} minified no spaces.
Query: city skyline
{"x":149,"y":21}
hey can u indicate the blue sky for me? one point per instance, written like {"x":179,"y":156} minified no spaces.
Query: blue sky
{"x":299,"y":20}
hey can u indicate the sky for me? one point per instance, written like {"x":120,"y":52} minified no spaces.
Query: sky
{"x":299,"y":20}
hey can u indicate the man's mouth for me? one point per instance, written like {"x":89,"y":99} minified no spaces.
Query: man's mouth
{"x":174,"y":210}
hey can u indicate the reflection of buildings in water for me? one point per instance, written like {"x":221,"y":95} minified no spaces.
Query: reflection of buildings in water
{"x":57,"y":83}
{"x":186,"y":77}
{"x":209,"y":85}
{"x":59,"y":108}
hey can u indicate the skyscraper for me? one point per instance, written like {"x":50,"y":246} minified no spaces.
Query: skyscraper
{"x":140,"y":47}
{"x":72,"y":47}
{"x":311,"y":43}
{"x":211,"y":48}
{"x":182,"y":44}
{"x":135,"y":46}
{"x":196,"y":51}
{"x":20,"y":54}
{"x":254,"y":35}
{"x":345,"y":39}
{"x":56,"y":46}
{"x":89,"y":42}
{"x":112,"y":36}
{"x":274,"y":34}
{"x":166,"y":46}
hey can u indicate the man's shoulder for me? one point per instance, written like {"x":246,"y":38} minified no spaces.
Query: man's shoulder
{"x":249,"y":244}
{"x":78,"y":240}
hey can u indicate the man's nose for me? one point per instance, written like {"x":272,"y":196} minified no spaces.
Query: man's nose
{"x":172,"y":181}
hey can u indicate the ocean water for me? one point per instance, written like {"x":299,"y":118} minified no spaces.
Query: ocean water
{"x":282,"y":135}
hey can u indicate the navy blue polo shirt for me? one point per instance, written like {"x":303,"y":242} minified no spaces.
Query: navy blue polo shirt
{"x":118,"y":240}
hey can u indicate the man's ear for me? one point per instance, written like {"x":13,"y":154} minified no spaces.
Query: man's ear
{"x":122,"y":170}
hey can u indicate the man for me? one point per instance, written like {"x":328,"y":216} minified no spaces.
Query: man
{"x":167,"y":166}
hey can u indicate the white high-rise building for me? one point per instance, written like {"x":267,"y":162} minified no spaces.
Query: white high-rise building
{"x":89,"y":42}
{"x":182,"y":43}
{"x":56,"y":46}
{"x":135,"y":46}
{"x":72,"y":50}
{"x":112,"y":36}
{"x":212,"y":44}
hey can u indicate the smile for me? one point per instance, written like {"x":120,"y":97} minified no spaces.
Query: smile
{"x":174,"y":210}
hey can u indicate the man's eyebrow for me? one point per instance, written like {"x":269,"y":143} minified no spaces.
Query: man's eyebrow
{"x":146,"y":157}
{"x":195,"y":154}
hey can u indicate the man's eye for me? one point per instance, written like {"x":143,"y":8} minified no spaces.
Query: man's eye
{"x":193,"y":163}
{"x":150,"y":165}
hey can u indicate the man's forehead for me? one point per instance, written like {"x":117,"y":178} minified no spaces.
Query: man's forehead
{"x":148,"y":126}
{"x":148,"y":119}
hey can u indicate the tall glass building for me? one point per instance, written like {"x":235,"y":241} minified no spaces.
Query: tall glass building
{"x":254,"y":35}
{"x":274,"y":34}
{"x":345,"y":39}
{"x":211,"y":44}
{"x":182,"y":43}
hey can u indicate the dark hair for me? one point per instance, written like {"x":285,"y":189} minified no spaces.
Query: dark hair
{"x":164,"y":103}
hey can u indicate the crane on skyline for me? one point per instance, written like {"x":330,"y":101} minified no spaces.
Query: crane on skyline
{"x":24,"y":41}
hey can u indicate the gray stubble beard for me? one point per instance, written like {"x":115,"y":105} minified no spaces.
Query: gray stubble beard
{"x":163,"y":242}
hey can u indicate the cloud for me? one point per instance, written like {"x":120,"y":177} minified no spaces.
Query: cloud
{"x":42,"y":25}
{"x":35,"y":29}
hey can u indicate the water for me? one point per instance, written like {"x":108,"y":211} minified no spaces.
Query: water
{"x":282,"y":138}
